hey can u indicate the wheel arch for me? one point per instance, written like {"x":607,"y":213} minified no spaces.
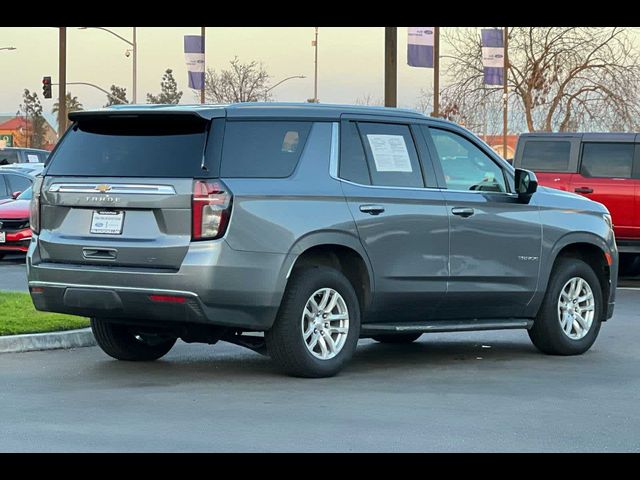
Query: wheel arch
{"x":338,"y":250}
{"x":588,"y":247}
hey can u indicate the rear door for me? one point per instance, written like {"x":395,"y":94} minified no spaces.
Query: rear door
{"x":553,"y":158}
{"x":389,"y":184}
{"x":606,"y":176}
{"x":118,"y":190}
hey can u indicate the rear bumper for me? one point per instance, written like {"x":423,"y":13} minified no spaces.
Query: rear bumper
{"x":220,"y":286}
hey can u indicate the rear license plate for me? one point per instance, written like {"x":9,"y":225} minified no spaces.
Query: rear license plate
{"x":3,"y":237}
{"x":107,"y":222}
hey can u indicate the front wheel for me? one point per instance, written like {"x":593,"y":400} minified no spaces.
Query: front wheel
{"x":123,"y":342}
{"x":570,"y":316}
{"x":318,"y":324}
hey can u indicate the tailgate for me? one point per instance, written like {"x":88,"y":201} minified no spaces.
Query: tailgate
{"x":117,"y":221}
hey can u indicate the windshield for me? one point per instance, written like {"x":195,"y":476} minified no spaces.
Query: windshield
{"x":26,"y":195}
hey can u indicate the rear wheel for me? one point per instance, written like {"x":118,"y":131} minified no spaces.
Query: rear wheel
{"x":569,"y":319}
{"x":400,"y":338}
{"x":318,"y":324}
{"x":123,"y":342}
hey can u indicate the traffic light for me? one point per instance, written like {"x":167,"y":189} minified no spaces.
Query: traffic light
{"x":46,"y":87}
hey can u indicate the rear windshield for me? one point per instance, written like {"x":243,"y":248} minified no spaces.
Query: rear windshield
{"x":545,"y":156}
{"x":153,"y":146}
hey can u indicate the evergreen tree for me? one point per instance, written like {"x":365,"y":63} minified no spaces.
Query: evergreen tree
{"x":169,"y":93}
{"x":117,"y":93}
{"x":31,"y":109}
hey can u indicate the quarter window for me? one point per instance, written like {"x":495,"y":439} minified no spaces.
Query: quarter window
{"x":544,"y":156}
{"x":391,"y":155}
{"x":464,"y":165}
{"x":607,"y":160}
{"x":262,"y":149}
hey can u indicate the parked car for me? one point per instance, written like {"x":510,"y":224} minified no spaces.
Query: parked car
{"x":314,"y":225}
{"x":15,"y":233}
{"x":32,"y":169}
{"x":13,"y":155}
{"x":12,"y":183}
{"x":604,"y":167}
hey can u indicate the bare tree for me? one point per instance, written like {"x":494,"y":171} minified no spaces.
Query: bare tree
{"x":560,"y":78}
{"x":369,"y":99}
{"x":243,"y":82}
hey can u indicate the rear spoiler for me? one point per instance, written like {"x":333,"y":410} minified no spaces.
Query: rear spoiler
{"x":205,"y":113}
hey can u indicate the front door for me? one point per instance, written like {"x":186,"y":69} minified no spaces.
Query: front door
{"x":495,"y":241}
{"x":605,"y":176}
{"x":402,"y":223}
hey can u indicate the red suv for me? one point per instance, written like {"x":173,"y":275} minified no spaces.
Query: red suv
{"x":604,"y":167}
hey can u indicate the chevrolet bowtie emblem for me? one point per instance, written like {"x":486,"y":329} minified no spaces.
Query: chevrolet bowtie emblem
{"x":103,"y":188}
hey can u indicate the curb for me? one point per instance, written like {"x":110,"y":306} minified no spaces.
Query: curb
{"x":47,"y":341}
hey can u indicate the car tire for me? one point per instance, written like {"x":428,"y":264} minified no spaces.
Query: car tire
{"x":123,"y":343}
{"x":548,"y":333}
{"x":397,"y":338}
{"x":299,"y":353}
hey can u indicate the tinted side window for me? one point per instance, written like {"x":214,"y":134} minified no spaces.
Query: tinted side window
{"x":262,"y":149}
{"x":3,"y":187}
{"x":353,"y":162}
{"x":546,"y":156}
{"x":464,"y":165}
{"x":391,"y":155}
{"x":8,"y":156}
{"x":607,"y":160}
{"x":18,"y":183}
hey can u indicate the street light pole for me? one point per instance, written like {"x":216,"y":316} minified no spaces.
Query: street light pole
{"x":134,"y":47}
{"x":62,"y":90}
{"x":315,"y":77}
{"x":135,"y":67}
{"x":281,"y":81}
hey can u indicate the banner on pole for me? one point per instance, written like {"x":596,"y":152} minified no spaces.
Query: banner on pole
{"x":420,"y":46}
{"x":194,"y":56}
{"x":493,"y":56}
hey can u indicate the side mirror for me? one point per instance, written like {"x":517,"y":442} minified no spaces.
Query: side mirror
{"x":526,"y":184}
{"x":15,"y":195}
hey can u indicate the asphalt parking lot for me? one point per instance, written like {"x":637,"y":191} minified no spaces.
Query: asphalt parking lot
{"x":489,"y":391}
{"x":13,"y":273}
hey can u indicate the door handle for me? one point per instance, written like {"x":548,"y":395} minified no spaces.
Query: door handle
{"x":372,"y":209}
{"x":583,"y":190}
{"x":99,"y":253}
{"x":462,"y":211}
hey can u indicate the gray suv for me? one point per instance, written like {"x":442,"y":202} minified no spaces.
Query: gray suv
{"x":296,"y":229}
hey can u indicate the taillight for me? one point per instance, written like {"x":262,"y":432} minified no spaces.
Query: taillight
{"x":211,"y":209}
{"x":34,"y":206}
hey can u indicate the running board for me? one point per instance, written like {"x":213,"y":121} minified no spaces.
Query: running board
{"x":447,"y":326}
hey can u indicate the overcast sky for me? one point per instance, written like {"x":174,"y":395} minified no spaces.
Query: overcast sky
{"x":351,"y":61}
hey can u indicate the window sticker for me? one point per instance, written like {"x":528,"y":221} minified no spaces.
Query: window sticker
{"x":33,"y":158}
{"x":390,"y":153}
